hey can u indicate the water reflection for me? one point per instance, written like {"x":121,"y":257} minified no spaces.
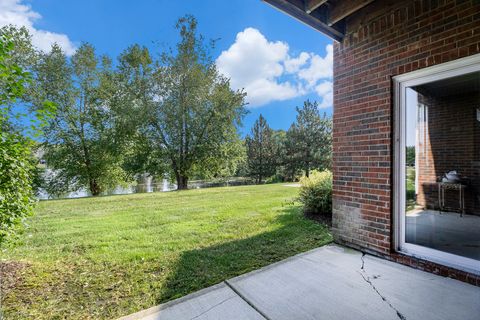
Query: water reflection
{"x":148,"y":185}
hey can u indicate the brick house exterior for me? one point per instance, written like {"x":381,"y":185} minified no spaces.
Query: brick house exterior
{"x":377,"y":40}
{"x":381,"y":42}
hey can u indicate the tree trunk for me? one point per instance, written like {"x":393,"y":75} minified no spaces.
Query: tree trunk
{"x":259,"y":179}
{"x":94,"y":187}
{"x":182,"y":182}
{"x":307,"y":171}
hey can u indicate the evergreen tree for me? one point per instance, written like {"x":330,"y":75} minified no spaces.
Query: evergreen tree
{"x":262,"y":153}
{"x":309,"y":140}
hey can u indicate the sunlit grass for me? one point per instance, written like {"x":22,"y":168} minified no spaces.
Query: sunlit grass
{"x":410,"y":189}
{"x":110,"y":256}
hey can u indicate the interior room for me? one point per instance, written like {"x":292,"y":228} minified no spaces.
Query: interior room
{"x":443,"y":165}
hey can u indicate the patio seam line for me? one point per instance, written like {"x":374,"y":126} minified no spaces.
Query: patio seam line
{"x":367,"y":280}
{"x":211,"y":308}
{"x":250,"y":303}
{"x":171,"y":303}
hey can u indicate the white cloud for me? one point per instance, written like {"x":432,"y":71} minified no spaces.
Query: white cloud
{"x":16,"y":13}
{"x":253,"y":63}
{"x":319,"y":68}
{"x":267,"y":71}
{"x":292,"y":65}
{"x":263,"y":91}
{"x":325,"y":90}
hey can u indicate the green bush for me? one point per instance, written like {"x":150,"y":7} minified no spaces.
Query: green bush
{"x":277,"y":178}
{"x":16,"y":173}
{"x":316,"y":192}
{"x":16,"y":165}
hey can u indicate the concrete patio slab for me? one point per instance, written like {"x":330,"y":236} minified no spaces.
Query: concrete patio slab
{"x":422,"y":295}
{"x":331,"y":282}
{"x":324,"y":284}
{"x":217,"y":302}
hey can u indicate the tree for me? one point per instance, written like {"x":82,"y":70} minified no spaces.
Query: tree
{"x":282,"y":170}
{"x":410,"y":158}
{"x":20,"y":117}
{"x":193,"y":115}
{"x":16,"y":166}
{"x":309,"y":140}
{"x":132,"y":93}
{"x":230,"y":160}
{"x":286,"y":170}
{"x":81,"y":144}
{"x":261,"y":151}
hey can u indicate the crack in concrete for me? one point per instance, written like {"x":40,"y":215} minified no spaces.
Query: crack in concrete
{"x":366,"y":278}
{"x":211,"y":308}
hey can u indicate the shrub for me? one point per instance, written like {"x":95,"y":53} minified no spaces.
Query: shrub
{"x":16,"y":165}
{"x":16,"y":173}
{"x":277,"y":178}
{"x":316,"y":192}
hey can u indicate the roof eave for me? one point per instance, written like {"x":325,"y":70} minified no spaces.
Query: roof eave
{"x":301,"y":15}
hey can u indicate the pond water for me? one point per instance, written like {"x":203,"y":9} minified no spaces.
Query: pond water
{"x":147,"y":185}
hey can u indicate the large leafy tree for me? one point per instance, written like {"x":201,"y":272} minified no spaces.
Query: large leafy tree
{"x":309,"y":140}
{"x":81,"y":144}
{"x":193,"y":116}
{"x":18,"y":57}
{"x":262,"y":152}
{"x":128,"y":93}
{"x":16,"y":166}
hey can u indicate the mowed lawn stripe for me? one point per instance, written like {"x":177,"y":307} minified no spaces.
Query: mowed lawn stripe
{"x":100,"y":258}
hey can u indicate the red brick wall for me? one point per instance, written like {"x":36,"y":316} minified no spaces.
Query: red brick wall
{"x":384,"y":39}
{"x":452,"y":143}
{"x":435,"y":268}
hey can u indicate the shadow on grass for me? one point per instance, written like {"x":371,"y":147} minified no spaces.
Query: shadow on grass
{"x":200,"y":268}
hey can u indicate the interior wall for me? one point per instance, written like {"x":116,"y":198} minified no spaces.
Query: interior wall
{"x":452,"y":143}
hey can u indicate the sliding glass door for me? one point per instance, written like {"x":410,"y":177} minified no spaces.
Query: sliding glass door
{"x":437,"y":163}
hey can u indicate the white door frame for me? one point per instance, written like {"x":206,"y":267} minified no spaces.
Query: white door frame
{"x":400,"y":84}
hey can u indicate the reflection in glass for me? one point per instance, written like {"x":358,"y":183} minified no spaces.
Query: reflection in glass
{"x":443,"y":165}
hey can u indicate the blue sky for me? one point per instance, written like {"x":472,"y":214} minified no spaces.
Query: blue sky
{"x":279,"y":61}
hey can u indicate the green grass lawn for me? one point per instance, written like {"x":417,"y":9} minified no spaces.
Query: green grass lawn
{"x":410,"y":186}
{"x":110,"y":256}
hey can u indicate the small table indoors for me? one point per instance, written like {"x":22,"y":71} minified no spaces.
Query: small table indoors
{"x":442,"y":186}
